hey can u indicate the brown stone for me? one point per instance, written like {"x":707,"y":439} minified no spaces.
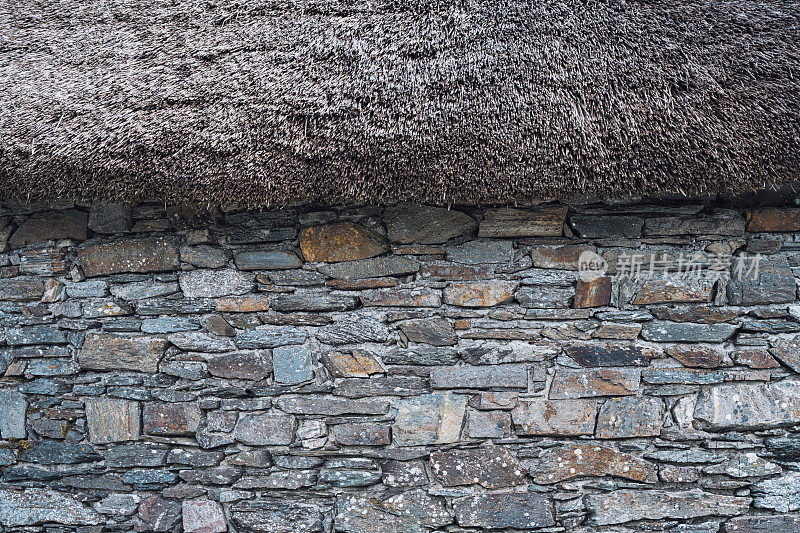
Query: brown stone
{"x":491,"y":467}
{"x":361,"y":434}
{"x":659,"y":291}
{"x":595,"y":293}
{"x":623,"y":418}
{"x":479,"y":293}
{"x":152,"y":254}
{"x":774,"y":219}
{"x":678,"y":474}
{"x":580,"y":460}
{"x":547,"y":221}
{"x":560,"y":257}
{"x":343,"y":241}
{"x":358,"y":364}
{"x":494,"y":400}
{"x":696,"y":356}
{"x":700,"y":313}
{"x":243,"y":304}
{"x":44,"y":261}
{"x":112,"y":420}
{"x":586,"y":383}
{"x":539,"y":416}
{"x":787,"y":351}
{"x":617,"y":330}
{"x":171,"y":418}
{"x":755,"y":358}
{"x":516,"y":510}
{"x":103,"y":351}
{"x":50,"y":226}
{"x":433,"y":331}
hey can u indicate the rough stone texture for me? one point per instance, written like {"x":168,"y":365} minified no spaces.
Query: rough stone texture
{"x":49,"y":227}
{"x":445,"y":382}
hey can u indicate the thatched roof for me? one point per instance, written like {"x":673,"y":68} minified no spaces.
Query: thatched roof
{"x":268,"y":101}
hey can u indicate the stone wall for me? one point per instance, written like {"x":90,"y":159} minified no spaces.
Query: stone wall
{"x":405,"y":369}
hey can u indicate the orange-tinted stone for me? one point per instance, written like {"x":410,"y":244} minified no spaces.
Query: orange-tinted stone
{"x":243,"y":304}
{"x":579,"y":460}
{"x":696,"y":356}
{"x":763,"y":220}
{"x":479,"y":293}
{"x":344,"y":241}
{"x":595,"y":293}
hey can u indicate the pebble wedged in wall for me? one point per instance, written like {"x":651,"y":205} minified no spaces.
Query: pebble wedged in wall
{"x":399,"y":369}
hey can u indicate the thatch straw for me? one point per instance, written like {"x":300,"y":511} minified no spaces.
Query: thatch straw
{"x":263,"y":102}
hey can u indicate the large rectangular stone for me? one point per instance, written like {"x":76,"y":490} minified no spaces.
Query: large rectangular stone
{"x":152,"y":254}
{"x":590,"y":382}
{"x":376,"y":267}
{"x":480,"y":377}
{"x":538,"y":417}
{"x":763,"y":524}
{"x":26,"y":507}
{"x":342,"y":241}
{"x":545,"y":297}
{"x":726,"y":222}
{"x":585,"y":459}
{"x":748,"y":406}
{"x":629,"y":417}
{"x":353,"y":329}
{"x":103,"y":351}
{"x":500,"y":511}
{"x":402,"y":298}
{"x":773,"y":220}
{"x":772,"y":282}
{"x":490,"y":467}
{"x":408,"y":223}
{"x":21,"y":289}
{"x":481,"y":252}
{"x":112,"y":420}
{"x":12,"y":414}
{"x":331,"y":406}
{"x":434,"y":418}
{"x":268,"y":429}
{"x":267,"y":260}
{"x":545,"y":221}
{"x":316,"y":302}
{"x":607,"y":227}
{"x":662,"y":331}
{"x":610,"y":354}
{"x":171,"y":418}
{"x":214,"y":283}
{"x":480,"y":293}
{"x":270,"y":337}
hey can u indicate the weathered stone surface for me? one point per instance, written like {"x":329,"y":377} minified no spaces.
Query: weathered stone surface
{"x":12,"y":414}
{"x":205,"y":256}
{"x":36,"y":506}
{"x":151,"y":254}
{"x":587,"y":383}
{"x":343,"y":241}
{"x":267,"y":260}
{"x":158,"y":514}
{"x":544,"y":297}
{"x":361,"y":434}
{"x":578,"y":460}
{"x":203,"y":516}
{"x":169,"y":325}
{"x":489,"y":424}
{"x":358,"y":364}
{"x":376,"y":267}
{"x":785,"y":448}
{"x":407,"y":512}
{"x":113,"y":352}
{"x":118,"y":504}
{"x":314,"y":302}
{"x":546,"y":221}
{"x":595,"y":293}
{"x":353,"y":330}
{"x":21,"y":289}
{"x":479,"y":377}
{"x":279,"y":515}
{"x":537,"y":416}
{"x":28,"y":335}
{"x":285,"y":480}
{"x":402,"y":298}
{"x":774,"y":282}
{"x":295,"y":278}
{"x":696,"y":356}
{"x":630,"y":417}
{"x":270,"y":337}
{"x":480,"y":293}
{"x":49,"y":227}
{"x":141,"y":290}
{"x":253,"y":365}
{"x":421,"y":355}
{"x":481,"y":251}
{"x":112,"y":420}
{"x":662,"y":331}
{"x":748,"y":406}
{"x":559,"y":257}
{"x":408,"y":223}
{"x":658,"y":291}
{"x":497,"y":511}
{"x":773,"y":219}
{"x":107,"y":217}
{"x":434,"y":418}
{"x":382,"y":386}
{"x":723,"y":222}
{"x":50,"y":452}
{"x":128,"y":455}
{"x":331,"y":406}
{"x":607,"y":354}
{"x":743,"y":466}
{"x":779,"y":493}
{"x":763,"y":524}
{"x":787,"y":351}
{"x":624,"y":506}
{"x":703,"y":314}
{"x":171,"y":418}
{"x":404,"y":474}
{"x":273,"y":428}
{"x":44,"y":261}
{"x":491,"y":467}
{"x":605,"y":227}
{"x":213,"y":283}
{"x":292,"y":364}
{"x":199,"y":341}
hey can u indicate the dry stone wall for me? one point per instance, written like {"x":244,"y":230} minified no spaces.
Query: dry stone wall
{"x":400,"y":369}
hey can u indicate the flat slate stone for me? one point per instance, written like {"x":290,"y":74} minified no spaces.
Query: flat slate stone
{"x":376,"y":267}
{"x":382,"y":386}
{"x":292,"y":365}
{"x":420,"y":355}
{"x":481,"y":252}
{"x":564,"y":257}
{"x":409,"y":223}
{"x":724,"y":222}
{"x":171,"y":418}
{"x":21,"y":289}
{"x":629,"y":417}
{"x":490,"y":467}
{"x":141,"y":289}
{"x":358,"y":364}
{"x":151,"y":254}
{"x":434,"y":418}
{"x":51,"y":452}
{"x":279,"y":515}
{"x":763,"y":524}
{"x":102,"y":351}
{"x":507,"y":222}
{"x":267,"y":260}
{"x":402,"y":298}
{"x":744,"y":466}
{"x":774,"y":283}
{"x":129,"y":455}
{"x":538,"y":417}
{"x":296,"y":278}
{"x":200,"y":341}
{"x":779,"y":493}
{"x":361,"y":434}
{"x":507,"y":376}
{"x":170,"y":324}
{"x":253,"y":365}
{"x":213,"y":283}
{"x":743,"y":406}
{"x":317,"y":302}
{"x":105,"y":217}
{"x":269,"y":337}
{"x":580,"y":460}
{"x":623,"y":506}
{"x":498,"y":511}
{"x":787,"y":351}
{"x":545,"y":297}
{"x":331,"y":406}
{"x":591,"y":382}
{"x":203,"y":516}
{"x":408,"y":512}
{"x":480,"y":293}
{"x":403,"y":474}
{"x":49,"y":227}
{"x":696,"y":356}
{"x":205,"y":256}
{"x":609,"y":354}
{"x":29,"y":335}
{"x":662,"y":331}
{"x":112,"y":420}
{"x":785,"y":448}
{"x":773,"y":220}
{"x":31,"y":506}
{"x":659,"y":291}
{"x":269,"y":429}
{"x":606,"y":227}
{"x":12,"y":414}
{"x":433,"y":331}
{"x":353,"y":329}
{"x":341,"y":241}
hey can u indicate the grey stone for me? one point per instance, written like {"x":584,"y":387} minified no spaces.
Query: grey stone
{"x":45,"y":387}
{"x":158,"y":514}
{"x":143,"y":289}
{"x":785,"y":448}
{"x":198,"y":341}
{"x":774,"y":283}
{"x":209,"y":439}
{"x":723,"y":222}
{"x":213,"y":283}
{"x":481,"y":251}
{"x":434,"y":331}
{"x":590,"y":382}
{"x":331,"y":406}
{"x":497,"y":511}
{"x":21,"y":289}
{"x":787,"y":351}
{"x":292,"y":364}
{"x":118,"y":504}
{"x":279,"y":515}
{"x":479,"y":377}
{"x":284,"y":480}
{"x":743,"y":466}
{"x":267,"y":260}
{"x":349,"y":478}
{"x":144,"y":478}
{"x":152,"y":254}
{"x":52,"y":367}
{"x":87,"y":289}
{"x":205,"y":256}
{"x":193,"y":457}
{"x":12,"y":415}
{"x":223,"y":475}
{"x":624,"y":506}
{"x":128,"y":455}
{"x":489,"y":424}
{"x":407,"y":512}
{"x":376,"y":267}
{"x":610,"y":354}
{"x":35,"y":506}
{"x":763,"y":524}
{"x":429,"y":419}
{"x":314,"y":302}
{"x":272,"y":428}
{"x":50,"y":226}
{"x":779,"y":493}
{"x":382,"y":386}
{"x":543,"y":297}
{"x":748,"y":406}
{"x":607,"y":227}
{"x":629,"y":417}
{"x":262,"y":235}
{"x":662,"y":331}
{"x":112,"y":352}
{"x":538,"y":416}
{"x":105,"y":308}
{"x":28,"y":335}
{"x":110,"y":218}
{"x":50,"y":452}
{"x":112,"y":420}
{"x":296,"y":278}
{"x":179,"y":306}
{"x":422,"y":355}
{"x":490,"y":467}
{"x":254,"y":365}
{"x":270,"y":337}
{"x":412,"y":223}
{"x":171,"y":418}
{"x":404,"y":474}
{"x":170,"y":324}
{"x":415,"y":297}
{"x":353,"y":329}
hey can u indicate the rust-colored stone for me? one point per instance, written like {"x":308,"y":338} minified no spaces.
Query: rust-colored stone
{"x":402,"y":298}
{"x":595,"y":293}
{"x":696,"y":356}
{"x":479,"y":293}
{"x":764,"y":220}
{"x":547,"y":221}
{"x":343,"y":241}
{"x":579,"y":460}
{"x":659,"y":291}
{"x":539,"y":416}
{"x":358,"y":364}
{"x":617,"y":330}
{"x":561,"y":257}
{"x":243,"y":304}
{"x":755,"y":358}
{"x":590,"y":382}
{"x":699,"y":313}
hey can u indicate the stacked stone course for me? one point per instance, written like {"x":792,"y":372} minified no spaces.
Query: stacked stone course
{"x":396,"y":369}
